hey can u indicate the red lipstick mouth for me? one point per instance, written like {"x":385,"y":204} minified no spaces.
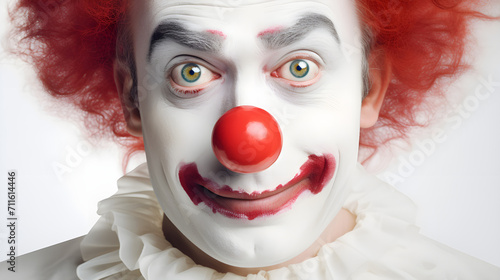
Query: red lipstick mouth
{"x":314,"y":174}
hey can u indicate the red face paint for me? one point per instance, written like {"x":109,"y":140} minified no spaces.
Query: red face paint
{"x":217,"y":32}
{"x":270,"y":30}
{"x":314,"y":174}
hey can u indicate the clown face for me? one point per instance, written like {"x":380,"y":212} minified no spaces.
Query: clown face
{"x":196,"y":60}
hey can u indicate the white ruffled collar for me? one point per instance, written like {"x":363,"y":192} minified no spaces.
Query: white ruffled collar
{"x":128,"y":243}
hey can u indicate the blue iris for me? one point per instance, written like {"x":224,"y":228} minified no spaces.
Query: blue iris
{"x":191,"y":72}
{"x":299,"y":68}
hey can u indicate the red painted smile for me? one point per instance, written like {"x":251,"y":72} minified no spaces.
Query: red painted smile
{"x":314,"y":174}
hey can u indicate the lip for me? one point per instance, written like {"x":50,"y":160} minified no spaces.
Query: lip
{"x":314,"y":174}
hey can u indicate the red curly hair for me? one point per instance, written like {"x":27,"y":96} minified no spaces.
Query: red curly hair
{"x":72,"y":45}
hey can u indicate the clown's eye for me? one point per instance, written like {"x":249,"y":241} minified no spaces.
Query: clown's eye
{"x":191,"y":76}
{"x":300,"y":72}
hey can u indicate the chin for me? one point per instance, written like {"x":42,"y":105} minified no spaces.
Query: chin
{"x":266,"y":228}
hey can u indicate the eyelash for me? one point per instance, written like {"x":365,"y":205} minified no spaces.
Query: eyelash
{"x":187,"y":91}
{"x":296,"y":81}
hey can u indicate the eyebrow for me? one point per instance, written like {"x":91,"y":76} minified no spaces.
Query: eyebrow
{"x":174,"y":30}
{"x":296,"y":32}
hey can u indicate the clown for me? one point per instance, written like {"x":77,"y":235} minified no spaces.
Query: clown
{"x":250,"y":113}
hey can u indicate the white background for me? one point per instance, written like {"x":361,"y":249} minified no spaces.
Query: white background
{"x":455,"y":183}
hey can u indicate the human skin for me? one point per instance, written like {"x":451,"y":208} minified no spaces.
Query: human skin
{"x":319,"y":115}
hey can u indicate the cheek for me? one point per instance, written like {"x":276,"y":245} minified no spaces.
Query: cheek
{"x":330,"y":118}
{"x":177,"y":135}
{"x":326,"y":128}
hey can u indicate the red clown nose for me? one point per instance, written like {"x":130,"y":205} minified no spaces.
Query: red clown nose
{"x":246,"y":139}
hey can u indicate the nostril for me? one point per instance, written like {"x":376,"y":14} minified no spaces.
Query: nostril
{"x":247,"y":139}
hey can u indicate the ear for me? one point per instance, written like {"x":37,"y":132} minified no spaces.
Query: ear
{"x":124,"y":84}
{"x":380,"y":76}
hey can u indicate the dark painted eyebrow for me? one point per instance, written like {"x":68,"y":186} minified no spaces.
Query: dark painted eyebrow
{"x":298,"y":31}
{"x":174,"y":30}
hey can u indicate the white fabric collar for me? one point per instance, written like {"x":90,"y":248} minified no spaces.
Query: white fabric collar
{"x":128,"y":243}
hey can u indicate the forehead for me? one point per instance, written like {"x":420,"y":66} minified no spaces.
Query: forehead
{"x":235,"y":18}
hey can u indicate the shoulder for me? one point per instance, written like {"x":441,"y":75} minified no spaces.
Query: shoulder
{"x":55,"y":262}
{"x":387,"y":243}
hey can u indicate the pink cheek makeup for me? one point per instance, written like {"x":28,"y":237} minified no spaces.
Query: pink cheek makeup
{"x":314,"y":174}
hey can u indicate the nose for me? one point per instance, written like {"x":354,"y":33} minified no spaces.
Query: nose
{"x":247,"y":139}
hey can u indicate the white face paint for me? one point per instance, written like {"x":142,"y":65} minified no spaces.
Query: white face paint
{"x":245,"y":52}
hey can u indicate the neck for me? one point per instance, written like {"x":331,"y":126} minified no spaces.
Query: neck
{"x":343,"y":223}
